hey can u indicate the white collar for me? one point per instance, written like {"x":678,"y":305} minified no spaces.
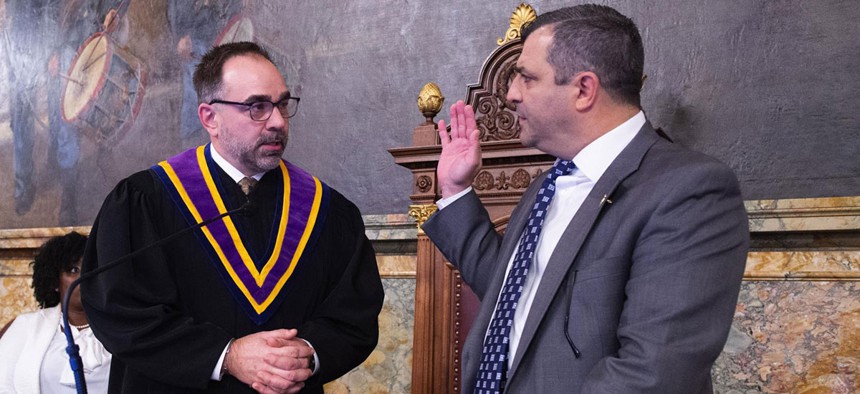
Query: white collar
{"x":225,"y":165}
{"x":595,"y":158}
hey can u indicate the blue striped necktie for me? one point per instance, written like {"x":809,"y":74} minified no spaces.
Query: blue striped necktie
{"x":494,"y":358}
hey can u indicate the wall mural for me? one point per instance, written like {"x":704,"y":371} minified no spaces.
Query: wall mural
{"x":767,"y":87}
{"x":84,"y":84}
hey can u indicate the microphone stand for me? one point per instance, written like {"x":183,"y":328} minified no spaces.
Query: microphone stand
{"x":72,"y":349}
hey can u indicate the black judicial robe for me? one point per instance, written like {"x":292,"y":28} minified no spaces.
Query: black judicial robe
{"x":167,"y":315}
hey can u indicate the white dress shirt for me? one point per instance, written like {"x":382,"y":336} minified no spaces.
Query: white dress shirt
{"x":570,"y":191}
{"x":225,"y":165}
{"x":57,"y":377}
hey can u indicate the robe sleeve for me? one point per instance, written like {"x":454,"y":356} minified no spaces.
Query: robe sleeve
{"x":344,"y":328}
{"x":134,"y":308}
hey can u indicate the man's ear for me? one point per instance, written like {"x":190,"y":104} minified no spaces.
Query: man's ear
{"x":208,"y":118}
{"x":589,"y":86}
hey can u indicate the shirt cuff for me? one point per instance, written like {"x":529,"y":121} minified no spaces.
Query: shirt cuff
{"x":444,"y":202}
{"x":316,"y":358}
{"x":216,"y":373}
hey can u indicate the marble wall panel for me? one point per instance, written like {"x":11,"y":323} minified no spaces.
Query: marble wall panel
{"x":804,"y":214}
{"x":809,"y":265}
{"x":389,"y":367}
{"x":793,"y":336}
{"x":16,"y":297}
{"x":796,"y":327}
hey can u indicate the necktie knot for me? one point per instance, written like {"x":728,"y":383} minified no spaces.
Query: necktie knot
{"x":247,"y":183}
{"x":561,"y":168}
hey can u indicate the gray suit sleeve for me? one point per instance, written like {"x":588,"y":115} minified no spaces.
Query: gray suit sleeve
{"x":466,"y":236}
{"x":685,"y":276}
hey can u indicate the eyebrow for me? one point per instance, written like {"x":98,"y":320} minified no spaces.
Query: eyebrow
{"x":265,"y":97}
{"x":522,"y":71}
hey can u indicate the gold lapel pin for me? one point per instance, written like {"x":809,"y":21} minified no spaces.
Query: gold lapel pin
{"x":605,"y":200}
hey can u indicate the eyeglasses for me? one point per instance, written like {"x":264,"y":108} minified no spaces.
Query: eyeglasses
{"x":262,"y":110}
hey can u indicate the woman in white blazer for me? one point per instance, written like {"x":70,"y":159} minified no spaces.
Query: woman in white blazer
{"x":32,"y":350}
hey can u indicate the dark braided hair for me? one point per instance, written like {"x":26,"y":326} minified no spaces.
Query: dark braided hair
{"x":59,"y":254}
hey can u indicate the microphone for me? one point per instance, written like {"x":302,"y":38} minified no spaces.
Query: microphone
{"x":72,"y":349}
{"x":246,"y":209}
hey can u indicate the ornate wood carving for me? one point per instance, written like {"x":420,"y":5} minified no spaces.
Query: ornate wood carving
{"x":421,"y":212}
{"x":444,"y":304}
{"x":424,"y":183}
{"x":430,"y":101}
{"x":494,"y":114}
{"x":504,"y":179}
{"x":523,"y":15}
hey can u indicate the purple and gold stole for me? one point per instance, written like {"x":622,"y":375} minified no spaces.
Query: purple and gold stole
{"x":191,"y":179}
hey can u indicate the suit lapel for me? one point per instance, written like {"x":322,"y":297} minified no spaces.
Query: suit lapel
{"x":580,"y":226}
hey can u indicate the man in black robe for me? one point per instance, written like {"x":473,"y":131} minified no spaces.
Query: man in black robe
{"x":280,"y":298}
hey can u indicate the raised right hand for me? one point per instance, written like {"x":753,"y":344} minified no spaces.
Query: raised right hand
{"x":461,"y":151}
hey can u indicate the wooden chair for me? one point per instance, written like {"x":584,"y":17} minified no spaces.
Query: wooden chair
{"x":444,"y":305}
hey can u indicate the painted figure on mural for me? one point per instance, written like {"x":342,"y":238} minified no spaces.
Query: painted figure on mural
{"x":42,"y":38}
{"x":196,"y":26}
{"x":26,"y":42}
{"x":77,"y":20}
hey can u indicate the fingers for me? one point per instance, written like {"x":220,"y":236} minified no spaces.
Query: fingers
{"x":266,"y":350}
{"x":263,"y":389}
{"x":298,"y":359}
{"x":462,"y":123}
{"x":295,"y":390}
{"x":458,"y":120}
{"x":282,"y":333}
{"x":461,"y":120}
{"x":281,"y":337}
{"x":281,"y":381}
{"x":469,"y":120}
{"x":455,"y":125}
{"x":443,"y":133}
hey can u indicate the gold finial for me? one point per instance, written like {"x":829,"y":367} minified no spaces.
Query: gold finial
{"x":421,"y":213}
{"x":523,"y":15}
{"x":430,"y":101}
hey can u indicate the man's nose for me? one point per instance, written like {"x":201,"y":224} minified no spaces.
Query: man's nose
{"x":276,"y":121}
{"x":514,"y":95}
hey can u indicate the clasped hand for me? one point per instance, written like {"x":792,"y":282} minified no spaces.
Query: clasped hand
{"x":270,"y":361}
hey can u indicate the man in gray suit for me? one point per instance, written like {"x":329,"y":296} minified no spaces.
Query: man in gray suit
{"x":639,"y":259}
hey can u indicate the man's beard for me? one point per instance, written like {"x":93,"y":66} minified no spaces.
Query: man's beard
{"x":249,"y":154}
